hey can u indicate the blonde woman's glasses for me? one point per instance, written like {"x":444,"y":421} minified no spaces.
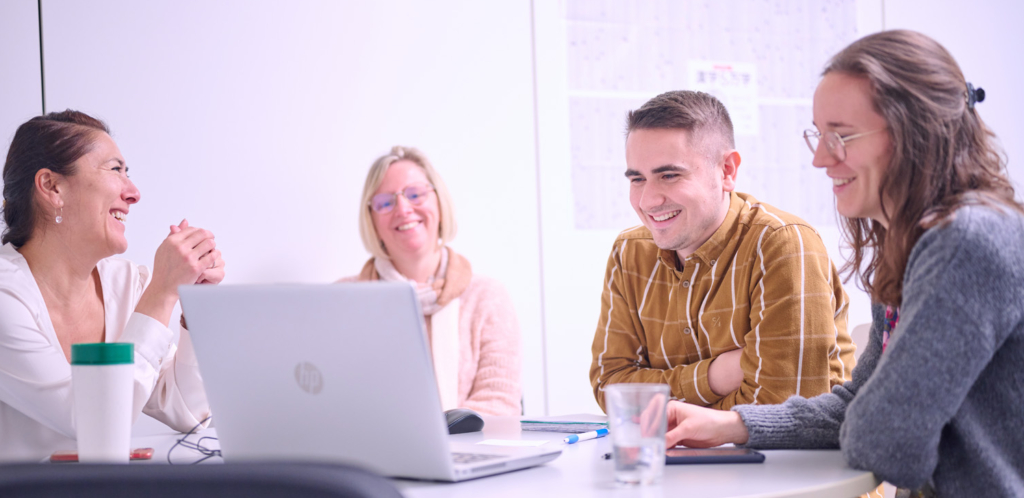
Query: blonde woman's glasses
{"x":835,"y":143}
{"x":415,"y":194}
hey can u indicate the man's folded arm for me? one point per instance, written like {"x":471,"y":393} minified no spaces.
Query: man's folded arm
{"x":793,"y":321}
{"x":687,"y":383}
{"x":619,"y":355}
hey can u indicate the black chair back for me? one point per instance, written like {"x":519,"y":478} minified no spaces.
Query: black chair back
{"x":233,"y":480}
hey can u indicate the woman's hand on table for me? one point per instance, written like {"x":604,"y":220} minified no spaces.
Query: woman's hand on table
{"x":700,"y":427}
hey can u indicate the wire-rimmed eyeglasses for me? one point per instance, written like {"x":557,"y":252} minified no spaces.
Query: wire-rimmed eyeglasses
{"x":415,"y":194}
{"x":835,"y":143}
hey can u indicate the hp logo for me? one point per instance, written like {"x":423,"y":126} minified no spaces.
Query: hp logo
{"x":309,"y":377}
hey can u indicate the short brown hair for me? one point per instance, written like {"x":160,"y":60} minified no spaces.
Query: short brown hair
{"x":699,"y":113}
{"x":943,"y":155}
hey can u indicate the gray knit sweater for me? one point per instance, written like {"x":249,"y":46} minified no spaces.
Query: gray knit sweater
{"x":944,"y":405}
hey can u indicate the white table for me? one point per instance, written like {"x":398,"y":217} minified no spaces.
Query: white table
{"x":581,"y":471}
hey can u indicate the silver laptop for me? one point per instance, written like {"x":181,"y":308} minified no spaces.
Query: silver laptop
{"x":334,"y":372}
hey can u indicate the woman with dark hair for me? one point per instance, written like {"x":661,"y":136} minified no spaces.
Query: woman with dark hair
{"x":935,"y":403}
{"x":66,"y":197}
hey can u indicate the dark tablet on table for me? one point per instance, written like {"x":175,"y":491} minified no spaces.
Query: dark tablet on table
{"x":712,"y":455}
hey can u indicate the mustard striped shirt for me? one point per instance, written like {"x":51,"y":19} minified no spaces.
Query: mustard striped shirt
{"x":763,"y":282}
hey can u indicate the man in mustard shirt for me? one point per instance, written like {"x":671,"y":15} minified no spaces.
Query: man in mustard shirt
{"x":726,"y":299}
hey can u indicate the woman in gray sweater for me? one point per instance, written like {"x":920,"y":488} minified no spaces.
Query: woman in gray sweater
{"x":936,"y":404}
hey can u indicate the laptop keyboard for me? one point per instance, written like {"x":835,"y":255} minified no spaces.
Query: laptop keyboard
{"x":464,"y":458}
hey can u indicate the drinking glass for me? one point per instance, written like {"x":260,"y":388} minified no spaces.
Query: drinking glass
{"x":636,"y":424}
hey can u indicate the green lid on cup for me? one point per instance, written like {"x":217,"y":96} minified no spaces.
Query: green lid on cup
{"x":103,"y":353}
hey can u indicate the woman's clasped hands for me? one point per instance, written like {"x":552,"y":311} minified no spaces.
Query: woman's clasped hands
{"x":188,"y":255}
{"x":191,"y":256}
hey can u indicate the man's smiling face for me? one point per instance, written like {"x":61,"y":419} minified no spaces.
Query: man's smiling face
{"x":680,"y":194}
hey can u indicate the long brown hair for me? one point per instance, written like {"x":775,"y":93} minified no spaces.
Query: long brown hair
{"x":943,"y":155}
{"x":53,"y":141}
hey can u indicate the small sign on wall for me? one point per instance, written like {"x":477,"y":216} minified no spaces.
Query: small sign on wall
{"x":735,"y":84}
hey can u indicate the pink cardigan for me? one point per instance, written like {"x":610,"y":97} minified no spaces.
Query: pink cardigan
{"x":489,"y":356}
{"x":489,"y":352}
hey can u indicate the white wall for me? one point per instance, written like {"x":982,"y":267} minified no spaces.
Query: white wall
{"x":574,"y":261}
{"x":20,"y":91}
{"x":985,"y":38}
{"x":259,"y":119}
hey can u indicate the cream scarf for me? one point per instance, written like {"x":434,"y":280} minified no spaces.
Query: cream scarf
{"x":439,"y":300}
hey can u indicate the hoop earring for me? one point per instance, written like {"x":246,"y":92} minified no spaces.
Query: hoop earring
{"x":60,"y":215}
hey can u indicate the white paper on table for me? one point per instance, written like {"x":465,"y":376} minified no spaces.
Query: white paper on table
{"x":511,"y":442}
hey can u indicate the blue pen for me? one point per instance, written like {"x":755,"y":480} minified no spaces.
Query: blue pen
{"x":585,"y":436}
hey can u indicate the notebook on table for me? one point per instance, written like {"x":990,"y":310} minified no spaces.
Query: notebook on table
{"x":333,"y":372}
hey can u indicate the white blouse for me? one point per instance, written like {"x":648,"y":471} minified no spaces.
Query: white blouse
{"x":35,"y":377}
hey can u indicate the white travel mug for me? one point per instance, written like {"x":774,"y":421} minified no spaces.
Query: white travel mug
{"x":102,"y":381}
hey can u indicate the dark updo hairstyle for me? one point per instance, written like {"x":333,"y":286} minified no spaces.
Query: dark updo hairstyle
{"x":943,"y":155}
{"x":53,"y":141}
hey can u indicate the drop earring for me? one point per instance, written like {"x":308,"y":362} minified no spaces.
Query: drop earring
{"x":60,"y":215}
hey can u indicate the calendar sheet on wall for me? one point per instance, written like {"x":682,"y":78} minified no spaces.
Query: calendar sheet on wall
{"x":762,"y":58}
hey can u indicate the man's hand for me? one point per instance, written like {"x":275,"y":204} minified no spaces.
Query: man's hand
{"x":700,"y":427}
{"x":725,"y":374}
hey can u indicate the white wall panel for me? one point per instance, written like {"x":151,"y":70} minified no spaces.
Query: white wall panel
{"x":20,"y":89}
{"x":259,"y":119}
{"x":985,"y":39}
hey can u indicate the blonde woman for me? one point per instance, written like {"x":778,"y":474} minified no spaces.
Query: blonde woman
{"x":406,"y":220}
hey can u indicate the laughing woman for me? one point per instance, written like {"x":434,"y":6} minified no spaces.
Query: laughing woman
{"x":66,"y":197}
{"x":935,"y":403}
{"x":406,"y":220}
